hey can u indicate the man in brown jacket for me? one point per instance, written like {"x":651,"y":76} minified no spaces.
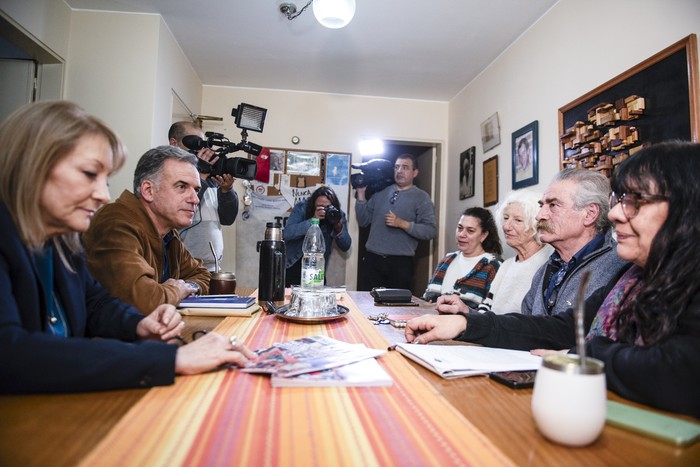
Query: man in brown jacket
{"x":132,"y":245}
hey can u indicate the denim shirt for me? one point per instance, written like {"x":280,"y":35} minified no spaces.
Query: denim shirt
{"x":297,"y":226}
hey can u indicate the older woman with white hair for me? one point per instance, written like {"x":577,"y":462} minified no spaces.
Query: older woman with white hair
{"x":516,"y":218}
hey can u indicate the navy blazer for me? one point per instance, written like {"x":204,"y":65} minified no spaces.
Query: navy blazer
{"x":34,"y":360}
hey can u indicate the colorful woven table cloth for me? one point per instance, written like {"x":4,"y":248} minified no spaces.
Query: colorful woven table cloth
{"x":233,"y":418}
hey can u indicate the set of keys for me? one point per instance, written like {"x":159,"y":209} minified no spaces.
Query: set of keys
{"x":247,"y":200}
{"x":383,"y":318}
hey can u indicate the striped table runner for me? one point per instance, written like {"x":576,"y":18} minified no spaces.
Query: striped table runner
{"x":233,"y":418}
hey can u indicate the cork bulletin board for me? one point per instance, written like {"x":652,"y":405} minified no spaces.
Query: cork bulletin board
{"x":293,"y":175}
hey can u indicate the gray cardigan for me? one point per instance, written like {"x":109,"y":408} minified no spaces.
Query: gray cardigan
{"x":412,"y":205}
{"x":604,"y":265}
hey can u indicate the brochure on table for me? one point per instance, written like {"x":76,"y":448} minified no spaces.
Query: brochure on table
{"x":307,"y":355}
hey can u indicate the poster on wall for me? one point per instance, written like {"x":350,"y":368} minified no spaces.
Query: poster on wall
{"x":337,"y":177}
{"x":276,"y":160}
{"x":304,"y":163}
{"x":294,"y":194}
{"x":337,"y":169}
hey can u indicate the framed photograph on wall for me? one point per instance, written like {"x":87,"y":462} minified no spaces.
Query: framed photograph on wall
{"x":491,"y":181}
{"x":525,"y":156}
{"x":467,"y":161}
{"x":490,"y":133}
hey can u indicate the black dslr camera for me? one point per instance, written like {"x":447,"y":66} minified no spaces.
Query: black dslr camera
{"x":333,"y":215}
{"x":375,"y":174}
{"x":247,"y":117}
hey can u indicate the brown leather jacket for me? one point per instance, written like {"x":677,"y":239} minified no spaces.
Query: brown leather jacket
{"x":125,"y":253}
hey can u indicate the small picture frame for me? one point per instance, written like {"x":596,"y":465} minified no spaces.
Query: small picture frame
{"x":467,"y":166}
{"x":490,"y":133}
{"x":525,"y":156}
{"x":491,"y":181}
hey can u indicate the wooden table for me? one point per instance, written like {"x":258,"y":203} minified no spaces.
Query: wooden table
{"x":62,"y":429}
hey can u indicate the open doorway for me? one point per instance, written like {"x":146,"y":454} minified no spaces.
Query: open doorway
{"x":428,"y":179}
{"x":30,"y":71}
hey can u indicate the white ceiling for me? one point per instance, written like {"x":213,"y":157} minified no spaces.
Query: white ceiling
{"x":392,"y":48}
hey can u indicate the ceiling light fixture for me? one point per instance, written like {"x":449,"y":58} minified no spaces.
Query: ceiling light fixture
{"x":332,"y":14}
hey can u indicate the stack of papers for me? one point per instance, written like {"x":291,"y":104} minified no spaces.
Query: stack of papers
{"x":457,"y":361}
{"x":320,"y":361}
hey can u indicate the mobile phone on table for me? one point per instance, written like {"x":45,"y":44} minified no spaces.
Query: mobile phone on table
{"x":515,"y":379}
{"x":662,"y":427}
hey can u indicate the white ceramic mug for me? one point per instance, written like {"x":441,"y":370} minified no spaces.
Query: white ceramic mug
{"x":569,"y":400}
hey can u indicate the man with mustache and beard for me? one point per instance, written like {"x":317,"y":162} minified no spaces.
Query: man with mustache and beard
{"x":573,"y":218}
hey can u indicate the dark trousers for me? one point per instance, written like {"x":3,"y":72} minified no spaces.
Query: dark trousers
{"x":293,"y":274}
{"x":394,"y":272}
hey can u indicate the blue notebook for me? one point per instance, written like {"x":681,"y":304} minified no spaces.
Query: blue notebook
{"x":217,"y":301}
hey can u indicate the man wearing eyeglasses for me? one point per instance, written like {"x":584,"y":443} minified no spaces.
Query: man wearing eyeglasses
{"x":573,"y":218}
{"x":400,"y":215}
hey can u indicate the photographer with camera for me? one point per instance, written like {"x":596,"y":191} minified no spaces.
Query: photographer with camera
{"x":400,"y":215}
{"x":324,"y":205}
{"x":218,"y":201}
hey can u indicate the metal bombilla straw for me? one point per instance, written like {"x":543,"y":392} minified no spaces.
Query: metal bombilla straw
{"x":216,"y":259}
{"x":579,"y":311}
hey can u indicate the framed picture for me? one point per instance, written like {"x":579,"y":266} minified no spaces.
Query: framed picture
{"x":525,"y":156}
{"x":467,"y":161}
{"x":490,"y":133}
{"x":491,"y":181}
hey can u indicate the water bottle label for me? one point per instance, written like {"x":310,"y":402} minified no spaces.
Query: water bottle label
{"x":312,"y":277}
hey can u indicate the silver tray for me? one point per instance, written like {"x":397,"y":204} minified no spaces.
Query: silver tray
{"x":282,"y":314}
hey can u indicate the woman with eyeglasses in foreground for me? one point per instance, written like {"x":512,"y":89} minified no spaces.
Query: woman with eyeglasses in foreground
{"x":54,"y":164}
{"x":645,"y":326}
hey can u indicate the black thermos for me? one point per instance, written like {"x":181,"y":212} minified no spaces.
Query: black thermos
{"x":273,"y":259}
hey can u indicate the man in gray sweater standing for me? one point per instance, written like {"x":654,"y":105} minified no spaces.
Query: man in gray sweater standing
{"x":400,"y":215}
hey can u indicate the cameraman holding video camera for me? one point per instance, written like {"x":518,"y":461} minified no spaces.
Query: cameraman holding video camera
{"x":399,"y":216}
{"x":218,"y":201}
{"x":324,"y":205}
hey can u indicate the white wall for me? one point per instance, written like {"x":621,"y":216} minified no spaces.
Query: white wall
{"x":122,"y":68}
{"x":325,"y":122}
{"x":46,"y":20}
{"x":573,"y":49}
{"x":174,"y":72}
{"x":112,"y":74}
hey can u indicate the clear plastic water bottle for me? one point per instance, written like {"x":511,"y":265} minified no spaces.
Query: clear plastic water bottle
{"x":313,"y":263}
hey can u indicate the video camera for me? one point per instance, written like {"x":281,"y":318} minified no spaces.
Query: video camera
{"x":375,"y":174}
{"x":247,"y":117}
